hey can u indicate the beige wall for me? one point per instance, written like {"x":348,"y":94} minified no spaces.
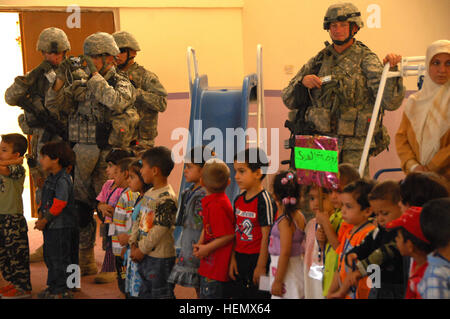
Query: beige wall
{"x":216,"y":35}
{"x":291,"y":31}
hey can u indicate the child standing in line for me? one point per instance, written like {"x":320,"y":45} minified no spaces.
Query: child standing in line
{"x":286,"y":247}
{"x":58,"y":219}
{"x":379,"y":247}
{"x":108,"y":198}
{"x":355,"y":211}
{"x":189,"y":216}
{"x":435,"y":223}
{"x":216,"y":240}
{"x":14,"y":248}
{"x":416,"y":190}
{"x":315,"y":242}
{"x":334,"y":226}
{"x":412,"y":243}
{"x":138,"y":186}
{"x":152,"y":242}
{"x":122,"y":220}
{"x":254,"y":210}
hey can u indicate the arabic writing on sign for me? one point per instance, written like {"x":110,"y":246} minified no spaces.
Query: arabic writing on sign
{"x":316,"y":160}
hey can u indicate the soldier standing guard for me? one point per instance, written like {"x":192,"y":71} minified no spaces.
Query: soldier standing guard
{"x":335,"y":91}
{"x":29,"y":92}
{"x":102,"y":116}
{"x":151,"y":97}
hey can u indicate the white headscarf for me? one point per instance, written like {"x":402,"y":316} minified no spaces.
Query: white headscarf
{"x":428,"y":110}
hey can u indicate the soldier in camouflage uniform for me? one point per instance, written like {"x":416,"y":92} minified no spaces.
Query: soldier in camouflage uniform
{"x":33,"y":86}
{"x":102,"y":116}
{"x":151,"y":97}
{"x":338,"y":88}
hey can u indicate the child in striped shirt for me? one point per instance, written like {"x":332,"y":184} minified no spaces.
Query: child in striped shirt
{"x":122,"y":221}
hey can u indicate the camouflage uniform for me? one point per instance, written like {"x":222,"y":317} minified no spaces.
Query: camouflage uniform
{"x":343,"y":107}
{"x":14,"y":248}
{"x":36,"y":84}
{"x":151,"y":97}
{"x":103,"y":117}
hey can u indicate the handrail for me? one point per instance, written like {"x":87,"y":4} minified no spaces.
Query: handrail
{"x":191,"y":57}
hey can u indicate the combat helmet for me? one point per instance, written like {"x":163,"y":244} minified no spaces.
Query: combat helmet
{"x":343,"y":12}
{"x":100,"y":43}
{"x":125,"y":39}
{"x":53,"y":40}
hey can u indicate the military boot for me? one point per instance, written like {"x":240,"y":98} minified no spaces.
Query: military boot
{"x":87,"y":262}
{"x":38,"y":255}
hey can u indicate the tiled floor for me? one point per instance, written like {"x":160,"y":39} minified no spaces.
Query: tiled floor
{"x":89,"y":290}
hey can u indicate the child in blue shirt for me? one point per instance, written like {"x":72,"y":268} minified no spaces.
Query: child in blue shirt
{"x":57,"y":219}
{"x":435,"y":223}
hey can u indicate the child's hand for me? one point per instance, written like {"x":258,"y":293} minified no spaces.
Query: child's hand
{"x":354,"y":277}
{"x":122,"y":253}
{"x":277,"y":289}
{"x":123,"y":239}
{"x":200,"y":251}
{"x":233,"y":269}
{"x":109,"y":211}
{"x":137,"y":255}
{"x":350,"y":258}
{"x":40,"y":224}
{"x":258,"y":272}
{"x":320,"y":236}
{"x":322,"y":218}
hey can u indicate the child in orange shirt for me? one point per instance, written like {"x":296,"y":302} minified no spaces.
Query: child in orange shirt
{"x":355,"y":211}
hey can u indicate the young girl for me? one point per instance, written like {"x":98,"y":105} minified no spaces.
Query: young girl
{"x":189,"y":216}
{"x":108,"y":198}
{"x":286,"y":240}
{"x":315,"y":242}
{"x":136,"y":185}
{"x":355,"y":211}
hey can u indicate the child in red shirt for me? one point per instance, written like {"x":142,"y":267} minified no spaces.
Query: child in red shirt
{"x":412,"y":242}
{"x":254,"y":211}
{"x":216,"y":241}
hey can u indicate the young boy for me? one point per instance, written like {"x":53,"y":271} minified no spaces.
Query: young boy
{"x":379,"y":247}
{"x":14,"y":249}
{"x":411,"y":242}
{"x":435,"y":223}
{"x":333,"y":225}
{"x":121,"y":221}
{"x":356,"y":212}
{"x":254,"y":211}
{"x":216,"y":240}
{"x":189,"y":217}
{"x":152,"y":241}
{"x":57,"y":219}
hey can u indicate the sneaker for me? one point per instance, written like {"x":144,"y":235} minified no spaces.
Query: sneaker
{"x":6,"y":289}
{"x":16,"y":293}
{"x":44,"y":293}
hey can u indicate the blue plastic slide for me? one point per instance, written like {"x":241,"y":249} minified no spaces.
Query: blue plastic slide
{"x":218,"y":108}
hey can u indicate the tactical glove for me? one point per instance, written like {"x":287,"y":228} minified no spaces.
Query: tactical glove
{"x":90,"y":64}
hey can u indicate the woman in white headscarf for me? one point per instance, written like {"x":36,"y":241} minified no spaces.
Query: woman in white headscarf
{"x":423,"y":138}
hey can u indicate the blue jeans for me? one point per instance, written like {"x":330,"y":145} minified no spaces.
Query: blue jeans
{"x":60,"y":251}
{"x":154,"y":273}
{"x":211,"y":289}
